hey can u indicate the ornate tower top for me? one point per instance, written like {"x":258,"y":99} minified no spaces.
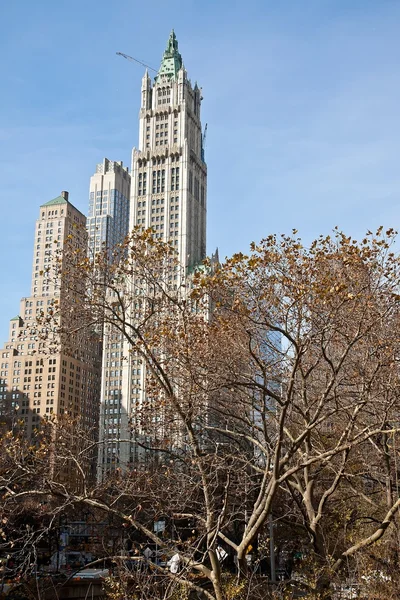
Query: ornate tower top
{"x":171,"y":61}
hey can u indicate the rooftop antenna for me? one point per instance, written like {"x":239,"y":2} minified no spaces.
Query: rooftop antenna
{"x":136,"y":61}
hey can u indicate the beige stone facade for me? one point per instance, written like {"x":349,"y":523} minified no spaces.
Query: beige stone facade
{"x":169,"y":175}
{"x":37,"y":383}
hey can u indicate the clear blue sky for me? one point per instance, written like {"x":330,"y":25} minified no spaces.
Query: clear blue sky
{"x":301,"y":99}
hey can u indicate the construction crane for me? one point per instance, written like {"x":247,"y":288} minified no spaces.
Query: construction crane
{"x":136,"y":61}
{"x":203,"y":142}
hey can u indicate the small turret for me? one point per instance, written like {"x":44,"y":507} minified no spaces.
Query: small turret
{"x":146,"y":91}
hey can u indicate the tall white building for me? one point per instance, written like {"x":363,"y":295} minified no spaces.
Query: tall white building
{"x":108,"y":219}
{"x":168,"y":193}
{"x":169,"y":175}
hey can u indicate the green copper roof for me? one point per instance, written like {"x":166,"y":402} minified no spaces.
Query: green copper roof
{"x":171,"y":60}
{"x":15,"y":318}
{"x":58,"y":200}
{"x":198,"y":268}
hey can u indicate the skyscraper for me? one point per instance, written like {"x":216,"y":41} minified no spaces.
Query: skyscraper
{"x":168,"y":194}
{"x":108,"y":219}
{"x":169,"y":174}
{"x":35,"y":382}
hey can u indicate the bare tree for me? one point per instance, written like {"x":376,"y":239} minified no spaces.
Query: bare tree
{"x":271,"y":390}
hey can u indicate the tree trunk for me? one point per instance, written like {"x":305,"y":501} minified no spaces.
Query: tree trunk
{"x":323,"y":589}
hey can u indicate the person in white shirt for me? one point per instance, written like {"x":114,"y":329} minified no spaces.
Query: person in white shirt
{"x":173,"y":563}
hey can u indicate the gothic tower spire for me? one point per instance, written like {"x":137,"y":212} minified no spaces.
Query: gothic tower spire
{"x":171,"y":61}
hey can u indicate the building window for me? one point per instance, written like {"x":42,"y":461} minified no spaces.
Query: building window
{"x":174,"y":178}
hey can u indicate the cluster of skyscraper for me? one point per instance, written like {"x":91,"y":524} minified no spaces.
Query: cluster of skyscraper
{"x":166,"y":190}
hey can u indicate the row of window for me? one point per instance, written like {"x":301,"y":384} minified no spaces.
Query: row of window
{"x":162,"y":117}
{"x":52,"y":213}
{"x":162,"y":142}
{"x":158,"y":161}
{"x":158,"y":181}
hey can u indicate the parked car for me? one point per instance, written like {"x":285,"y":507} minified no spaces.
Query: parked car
{"x":91,"y":574}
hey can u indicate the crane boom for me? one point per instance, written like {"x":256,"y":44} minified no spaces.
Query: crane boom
{"x":203,"y":143}
{"x":205,"y":134}
{"x":135,"y":60}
